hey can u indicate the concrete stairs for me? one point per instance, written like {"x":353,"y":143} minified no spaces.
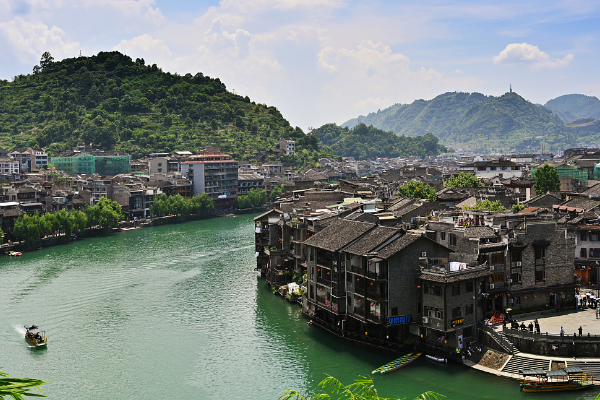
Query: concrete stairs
{"x":519,"y":362}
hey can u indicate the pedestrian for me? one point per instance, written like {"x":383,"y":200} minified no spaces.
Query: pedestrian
{"x":562,"y":331}
{"x":531,"y":327}
{"x":537,"y":328}
{"x":580,"y":330}
{"x":597,"y":312}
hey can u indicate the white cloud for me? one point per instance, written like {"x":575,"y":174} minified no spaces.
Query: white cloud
{"x":31,"y":39}
{"x":525,"y":52}
{"x":131,"y":9}
{"x":144,"y":46}
{"x":218,"y":39}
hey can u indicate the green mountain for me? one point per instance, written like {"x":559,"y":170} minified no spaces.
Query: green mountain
{"x":572,"y":106}
{"x":367,"y":142}
{"x":116,"y":103}
{"x":476,"y":122}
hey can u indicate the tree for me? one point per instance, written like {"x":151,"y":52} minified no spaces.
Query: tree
{"x":276,"y":192}
{"x":416,"y":190}
{"x":46,"y":60}
{"x":546,"y":179}
{"x":28,"y":228}
{"x":18,"y":387}
{"x":487,"y":204}
{"x":464,"y":180}
{"x":362,"y":389}
{"x":106,"y":213}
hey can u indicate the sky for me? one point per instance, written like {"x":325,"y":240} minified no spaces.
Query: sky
{"x":322,"y":61}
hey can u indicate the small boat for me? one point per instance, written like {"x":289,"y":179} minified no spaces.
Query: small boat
{"x":15,"y":253}
{"x":398,"y":363}
{"x":539,"y":380}
{"x":35,"y":337}
{"x":438,"y":359}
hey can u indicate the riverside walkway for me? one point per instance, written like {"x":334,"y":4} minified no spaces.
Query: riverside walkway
{"x":550,"y":324}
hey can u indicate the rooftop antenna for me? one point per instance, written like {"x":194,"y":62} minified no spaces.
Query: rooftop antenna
{"x":511,"y":88}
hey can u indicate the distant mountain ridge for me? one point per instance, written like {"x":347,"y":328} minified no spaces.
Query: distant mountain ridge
{"x":486,"y":123}
{"x":573,"y":106}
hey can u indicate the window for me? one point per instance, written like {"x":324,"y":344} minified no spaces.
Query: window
{"x":469,"y":309}
{"x":443,"y":235}
{"x":516,"y":256}
{"x":468,"y":332}
{"x":540,"y":275}
{"x":497,"y":258}
{"x":492,"y":168}
{"x":583,"y":253}
{"x":469,"y":287}
{"x":452,"y":239}
{"x":498,"y":278}
{"x":593,"y":253}
{"x":517,"y":301}
{"x":540,"y":253}
{"x":456,"y":312}
{"x":583,"y":236}
{"x":516,"y":278}
{"x":311,"y":254}
{"x":594,"y":237}
{"x":455,"y":290}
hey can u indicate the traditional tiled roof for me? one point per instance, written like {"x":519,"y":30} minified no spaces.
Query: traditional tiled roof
{"x":398,"y":245}
{"x":372,"y":240}
{"x":580,"y":203}
{"x":479,"y":232}
{"x":453,"y":276}
{"x":338,"y":234}
{"x":528,"y":210}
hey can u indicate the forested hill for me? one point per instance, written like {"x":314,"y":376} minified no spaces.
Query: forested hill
{"x":477,"y":122}
{"x":116,"y":103}
{"x":367,"y":142}
{"x":573,"y":106}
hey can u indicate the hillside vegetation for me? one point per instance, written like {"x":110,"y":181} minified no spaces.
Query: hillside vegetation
{"x":367,"y":142}
{"x":477,"y":122}
{"x":573,"y":106}
{"x":115,"y":103}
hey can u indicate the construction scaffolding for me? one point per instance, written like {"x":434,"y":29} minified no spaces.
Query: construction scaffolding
{"x":90,"y":164}
{"x":573,"y":172}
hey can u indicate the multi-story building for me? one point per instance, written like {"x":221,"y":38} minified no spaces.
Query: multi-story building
{"x":93,"y":164}
{"x":9,"y":166}
{"x":215,"y":174}
{"x":287,"y":145}
{"x":248,"y":181}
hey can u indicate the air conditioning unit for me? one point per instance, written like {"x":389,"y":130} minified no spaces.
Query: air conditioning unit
{"x":423,"y":254}
{"x":491,"y":267}
{"x":425,"y":320}
{"x":491,"y":286}
{"x":518,"y":263}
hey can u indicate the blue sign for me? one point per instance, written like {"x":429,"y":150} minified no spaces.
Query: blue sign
{"x":399,"y":320}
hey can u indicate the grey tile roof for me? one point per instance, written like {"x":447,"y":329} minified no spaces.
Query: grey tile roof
{"x":398,"y":245}
{"x":479,"y":232}
{"x":454,"y":276}
{"x":338,"y":234}
{"x":372,"y":240}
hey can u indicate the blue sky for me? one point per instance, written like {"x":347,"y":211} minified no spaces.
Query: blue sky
{"x":322,"y":61}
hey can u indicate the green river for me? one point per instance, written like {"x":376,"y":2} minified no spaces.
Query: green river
{"x":177,"y":312}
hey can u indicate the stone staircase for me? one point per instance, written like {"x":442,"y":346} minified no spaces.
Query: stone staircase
{"x":589,"y":367}
{"x":519,"y":362}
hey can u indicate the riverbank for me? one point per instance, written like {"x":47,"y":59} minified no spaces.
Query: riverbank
{"x":59,"y":239}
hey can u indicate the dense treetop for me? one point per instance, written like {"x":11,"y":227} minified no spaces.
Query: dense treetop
{"x":367,"y":142}
{"x":116,"y":103}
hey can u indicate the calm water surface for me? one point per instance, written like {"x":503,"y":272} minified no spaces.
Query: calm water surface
{"x":177,"y":312}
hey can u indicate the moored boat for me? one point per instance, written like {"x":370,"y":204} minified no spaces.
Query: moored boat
{"x":538,"y":380}
{"x":438,"y":359}
{"x":35,"y":337}
{"x":398,"y":363}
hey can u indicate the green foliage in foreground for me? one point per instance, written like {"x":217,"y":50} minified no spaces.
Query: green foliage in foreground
{"x":254,"y":198}
{"x":416,"y":190}
{"x":367,"y":142}
{"x":276,"y":192}
{"x":487,"y":204}
{"x":16,"y":388}
{"x":116,"y":103}
{"x":464,"y":180}
{"x":363,"y":388}
{"x":546,"y":179}
{"x":106,"y":213}
{"x":202,"y":205}
{"x":517,"y":207}
{"x":32,"y":228}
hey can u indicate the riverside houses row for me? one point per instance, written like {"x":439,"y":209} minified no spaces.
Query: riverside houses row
{"x":377,"y":277}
